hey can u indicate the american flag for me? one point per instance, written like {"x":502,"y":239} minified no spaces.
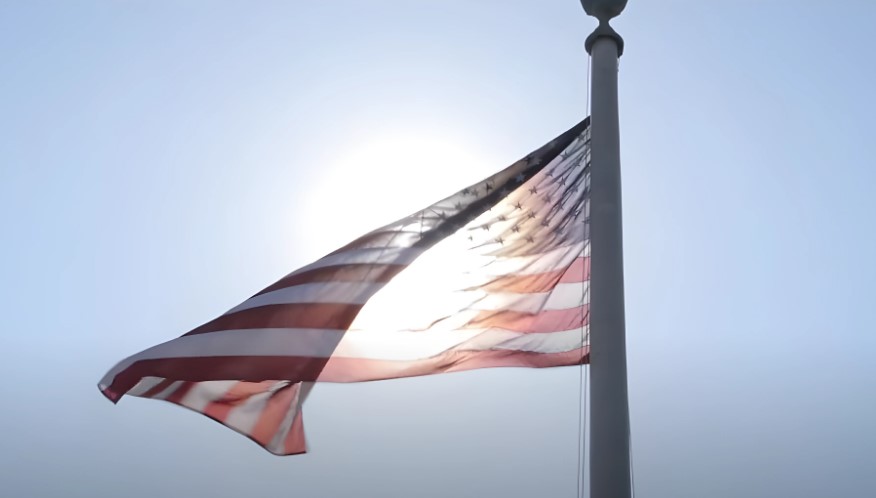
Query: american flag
{"x":494,"y":275}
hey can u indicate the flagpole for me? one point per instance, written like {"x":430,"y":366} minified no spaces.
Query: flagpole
{"x":609,"y":404}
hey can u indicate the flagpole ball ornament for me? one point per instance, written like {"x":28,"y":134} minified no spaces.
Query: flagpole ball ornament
{"x":604,"y":11}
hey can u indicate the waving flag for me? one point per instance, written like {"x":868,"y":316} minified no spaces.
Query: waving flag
{"x":494,"y":275}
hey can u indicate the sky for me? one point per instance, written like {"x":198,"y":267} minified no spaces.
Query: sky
{"x":161,"y":161}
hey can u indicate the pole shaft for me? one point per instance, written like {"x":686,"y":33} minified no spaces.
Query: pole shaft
{"x":609,"y":409}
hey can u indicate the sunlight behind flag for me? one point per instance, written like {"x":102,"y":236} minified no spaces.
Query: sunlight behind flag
{"x":370,"y":183}
{"x":495,"y":275}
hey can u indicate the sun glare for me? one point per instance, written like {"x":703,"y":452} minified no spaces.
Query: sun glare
{"x":383,"y":179}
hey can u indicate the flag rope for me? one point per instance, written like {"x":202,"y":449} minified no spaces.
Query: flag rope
{"x":632,"y":473}
{"x":583,"y":371}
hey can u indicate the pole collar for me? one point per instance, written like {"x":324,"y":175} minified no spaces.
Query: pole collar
{"x":604,"y":11}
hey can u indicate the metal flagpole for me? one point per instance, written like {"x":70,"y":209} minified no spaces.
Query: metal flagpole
{"x":609,"y":407}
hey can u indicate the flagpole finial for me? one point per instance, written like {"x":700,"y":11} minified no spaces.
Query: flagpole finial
{"x":604,"y":11}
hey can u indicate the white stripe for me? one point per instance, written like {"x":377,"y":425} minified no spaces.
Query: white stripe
{"x":321,"y":292}
{"x":380,"y":255}
{"x":245,"y":416}
{"x":145,"y":385}
{"x":564,"y":296}
{"x":277,"y":444}
{"x":168,"y":390}
{"x":554,"y":342}
{"x":568,"y":295}
{"x":556,"y":259}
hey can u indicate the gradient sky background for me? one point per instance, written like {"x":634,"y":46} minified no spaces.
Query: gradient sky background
{"x":161,"y":161}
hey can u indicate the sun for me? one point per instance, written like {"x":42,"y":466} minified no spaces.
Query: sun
{"x":382,"y":179}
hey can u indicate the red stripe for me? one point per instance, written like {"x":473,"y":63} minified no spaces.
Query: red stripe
{"x":539,"y":282}
{"x":340,"y":273}
{"x":578,"y":271}
{"x":542,"y":322}
{"x":298,"y":369}
{"x":180,"y":392}
{"x":275,"y":411}
{"x":336,"y":316}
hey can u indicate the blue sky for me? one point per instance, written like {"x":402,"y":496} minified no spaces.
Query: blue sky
{"x":160,"y":161}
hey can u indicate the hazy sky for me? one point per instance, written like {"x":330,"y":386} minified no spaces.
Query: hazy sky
{"x":161,"y":161}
